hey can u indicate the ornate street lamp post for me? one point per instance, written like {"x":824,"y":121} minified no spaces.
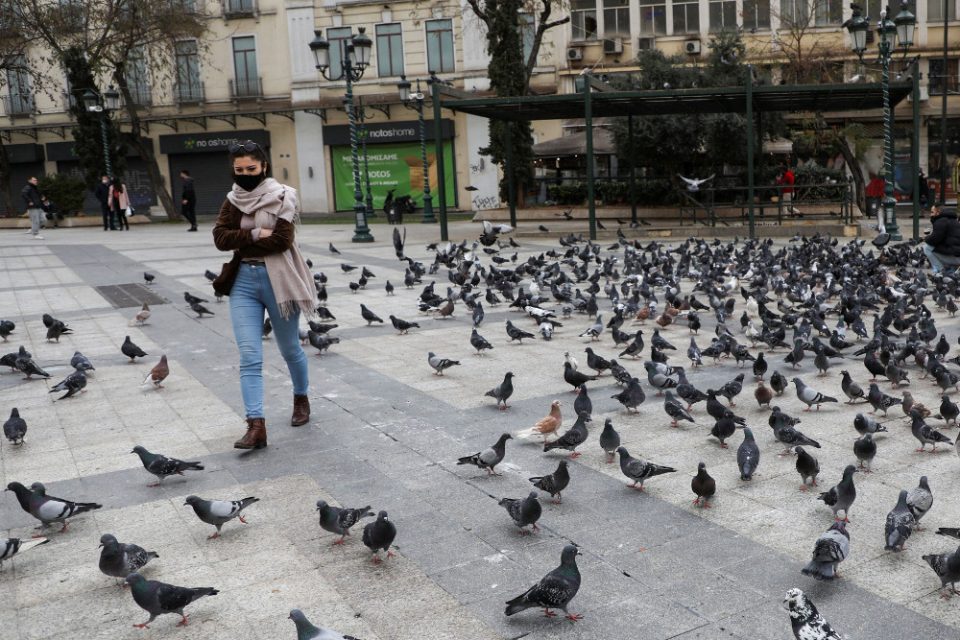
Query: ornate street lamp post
{"x":95,"y":103}
{"x":362,"y":117}
{"x":893,"y":33}
{"x":353,"y":62}
{"x":415,"y":101}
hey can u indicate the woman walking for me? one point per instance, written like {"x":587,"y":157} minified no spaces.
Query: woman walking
{"x":267,"y":273}
{"x":119,"y":201}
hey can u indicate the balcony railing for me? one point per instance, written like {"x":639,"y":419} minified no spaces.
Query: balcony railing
{"x":243,"y":88}
{"x":18,"y":105}
{"x":938,"y":82}
{"x":188,"y":93}
{"x":141,"y":95}
{"x":239,"y":8}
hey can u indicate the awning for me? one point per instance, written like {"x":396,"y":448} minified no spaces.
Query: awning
{"x":575,"y":144}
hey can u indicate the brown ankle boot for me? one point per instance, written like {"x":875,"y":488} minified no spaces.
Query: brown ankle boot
{"x":255,"y":437}
{"x":301,"y":411}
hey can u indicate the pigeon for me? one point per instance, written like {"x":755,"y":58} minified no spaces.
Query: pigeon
{"x":339,"y":520}
{"x":919,"y":500}
{"x":554,"y":483}
{"x":866,"y":450}
{"x":388,"y":287}
{"x":267,"y":328}
{"x":722,"y":429}
{"x":517,"y":334}
{"x":158,"y":374}
{"x":807,"y":466}
{"x":791,"y":437}
{"x":199,"y":309}
{"x":949,"y":410}
{"x":15,"y":428}
{"x":732,"y":389}
{"x":806,"y":621}
{"x":6,"y":328}
{"x":142,"y":316}
{"x":748,"y":455}
{"x":925,"y":433}
{"x":524,"y":511}
{"x":333,"y":249}
{"x":439,"y":364}
{"x":148,"y":277}
{"x":502,"y":392}
{"x":899,"y":525}
{"x":573,"y":438}
{"x":546,"y":426}
{"x":632,"y":396}
{"x":582,"y":405}
{"x":132,"y":351}
{"x":307,"y":631}
{"x":593,"y":331}
{"x":157,"y":598}
{"x":368,"y":315}
{"x":402,"y":326}
{"x":639,"y":470}
{"x":809,"y":396}
{"x":219,"y":512}
{"x":48,"y":509}
{"x":479,"y":343}
{"x":760,"y":367}
{"x":880,"y":400}
{"x":609,"y":440}
{"x":161,"y":466}
{"x":24,"y":364}
{"x":72,"y":384}
{"x":488,"y":458}
{"x":865,"y":424}
{"x":575,"y":378}
{"x":554,"y":591}
{"x":778,"y":382}
{"x":831,"y":548}
{"x":190,"y":299}
{"x":703,"y":486}
{"x":14,"y":546}
{"x":841,"y":496}
{"x":80,"y":362}
{"x":850,"y":388}
{"x":595,"y":362}
{"x":763,"y":394}
{"x":347,"y":268}
{"x":118,"y":560}
{"x":379,"y":536}
{"x":675,"y":410}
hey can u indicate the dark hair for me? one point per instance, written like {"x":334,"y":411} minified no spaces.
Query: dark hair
{"x":185,"y":172}
{"x":248,"y":149}
{"x":118,"y":185}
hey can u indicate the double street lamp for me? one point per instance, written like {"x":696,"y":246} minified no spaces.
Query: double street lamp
{"x":353,"y":60}
{"x":95,"y":103}
{"x":415,"y":101}
{"x":896,"y":33}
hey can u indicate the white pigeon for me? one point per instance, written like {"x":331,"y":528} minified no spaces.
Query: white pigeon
{"x":573,"y":365}
{"x":693,"y":184}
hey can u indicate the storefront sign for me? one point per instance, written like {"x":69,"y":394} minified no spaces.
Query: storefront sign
{"x":24,"y":153}
{"x":392,"y":166}
{"x":60,"y":151}
{"x":214,"y":142}
{"x":387,"y":132}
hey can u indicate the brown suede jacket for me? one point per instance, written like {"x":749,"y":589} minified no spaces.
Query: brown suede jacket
{"x":228,"y":236}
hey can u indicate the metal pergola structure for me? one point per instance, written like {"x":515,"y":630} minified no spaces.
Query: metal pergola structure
{"x":599,"y":100}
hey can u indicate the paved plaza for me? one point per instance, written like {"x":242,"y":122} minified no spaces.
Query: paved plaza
{"x":386,"y":432}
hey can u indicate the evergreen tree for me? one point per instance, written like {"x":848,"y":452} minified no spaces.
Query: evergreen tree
{"x":88,"y":135}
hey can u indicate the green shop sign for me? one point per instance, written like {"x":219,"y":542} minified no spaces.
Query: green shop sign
{"x":395,"y":166}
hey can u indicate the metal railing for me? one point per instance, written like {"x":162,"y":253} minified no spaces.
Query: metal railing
{"x":239,"y":8}
{"x":192,"y":93}
{"x":937,"y":83}
{"x":246,"y":88}
{"x":18,"y":105}
{"x":702,"y":206}
{"x":140,"y":95}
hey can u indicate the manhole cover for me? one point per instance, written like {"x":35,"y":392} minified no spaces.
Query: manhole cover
{"x":129,"y":295}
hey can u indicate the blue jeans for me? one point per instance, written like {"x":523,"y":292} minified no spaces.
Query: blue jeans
{"x":250,"y":296}
{"x":939,"y":260}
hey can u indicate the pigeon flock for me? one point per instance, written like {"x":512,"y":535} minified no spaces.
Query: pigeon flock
{"x":707,"y":320}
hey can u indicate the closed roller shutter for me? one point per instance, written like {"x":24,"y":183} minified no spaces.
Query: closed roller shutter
{"x":135,"y":177}
{"x":211,"y":179}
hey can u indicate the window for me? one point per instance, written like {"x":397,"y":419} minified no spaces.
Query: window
{"x":239,"y":6}
{"x":756,"y":14}
{"x":940,"y":78}
{"x":616,"y":18}
{"x":389,"y":49}
{"x":653,"y":17}
{"x":188,"y":88}
{"x":686,"y":16}
{"x":138,"y":80}
{"x":246,"y":80}
{"x":794,"y":13}
{"x":339,"y":39}
{"x":828,"y":13}
{"x":723,"y":15}
{"x":528,"y":32}
{"x":935,"y":10}
{"x":440,"y":46}
{"x":18,"y":84}
{"x":874,"y":7}
{"x":583,"y":17}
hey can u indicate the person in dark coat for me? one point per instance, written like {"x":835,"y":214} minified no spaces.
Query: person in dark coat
{"x":33,"y":200}
{"x":188,"y":200}
{"x":103,"y":197}
{"x":942,"y":244}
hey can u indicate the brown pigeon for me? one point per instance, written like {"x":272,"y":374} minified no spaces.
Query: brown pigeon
{"x":159,"y":373}
{"x":546,"y":426}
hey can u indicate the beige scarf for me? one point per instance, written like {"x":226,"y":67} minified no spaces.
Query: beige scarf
{"x":289,"y":276}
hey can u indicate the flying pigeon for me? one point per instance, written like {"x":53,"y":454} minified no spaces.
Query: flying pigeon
{"x":693,"y":184}
{"x":161,"y":466}
{"x":219,"y":512}
{"x":157,"y":598}
{"x":554,"y":591}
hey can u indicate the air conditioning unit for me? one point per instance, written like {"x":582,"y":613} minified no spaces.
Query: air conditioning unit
{"x":645,"y":44}
{"x":692,"y":47}
{"x":612,"y":46}
{"x":574,"y":54}
{"x":924,"y":94}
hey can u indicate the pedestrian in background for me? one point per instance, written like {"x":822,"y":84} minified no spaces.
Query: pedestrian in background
{"x":119,"y":202}
{"x":786,"y":180}
{"x":102,"y":192}
{"x":267,"y":273}
{"x":188,"y":200}
{"x":942,"y":244}
{"x":924,"y":189}
{"x":34,"y":201}
{"x":52,"y":211}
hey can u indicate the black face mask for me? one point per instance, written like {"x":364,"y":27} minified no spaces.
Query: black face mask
{"x":248,"y":182}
